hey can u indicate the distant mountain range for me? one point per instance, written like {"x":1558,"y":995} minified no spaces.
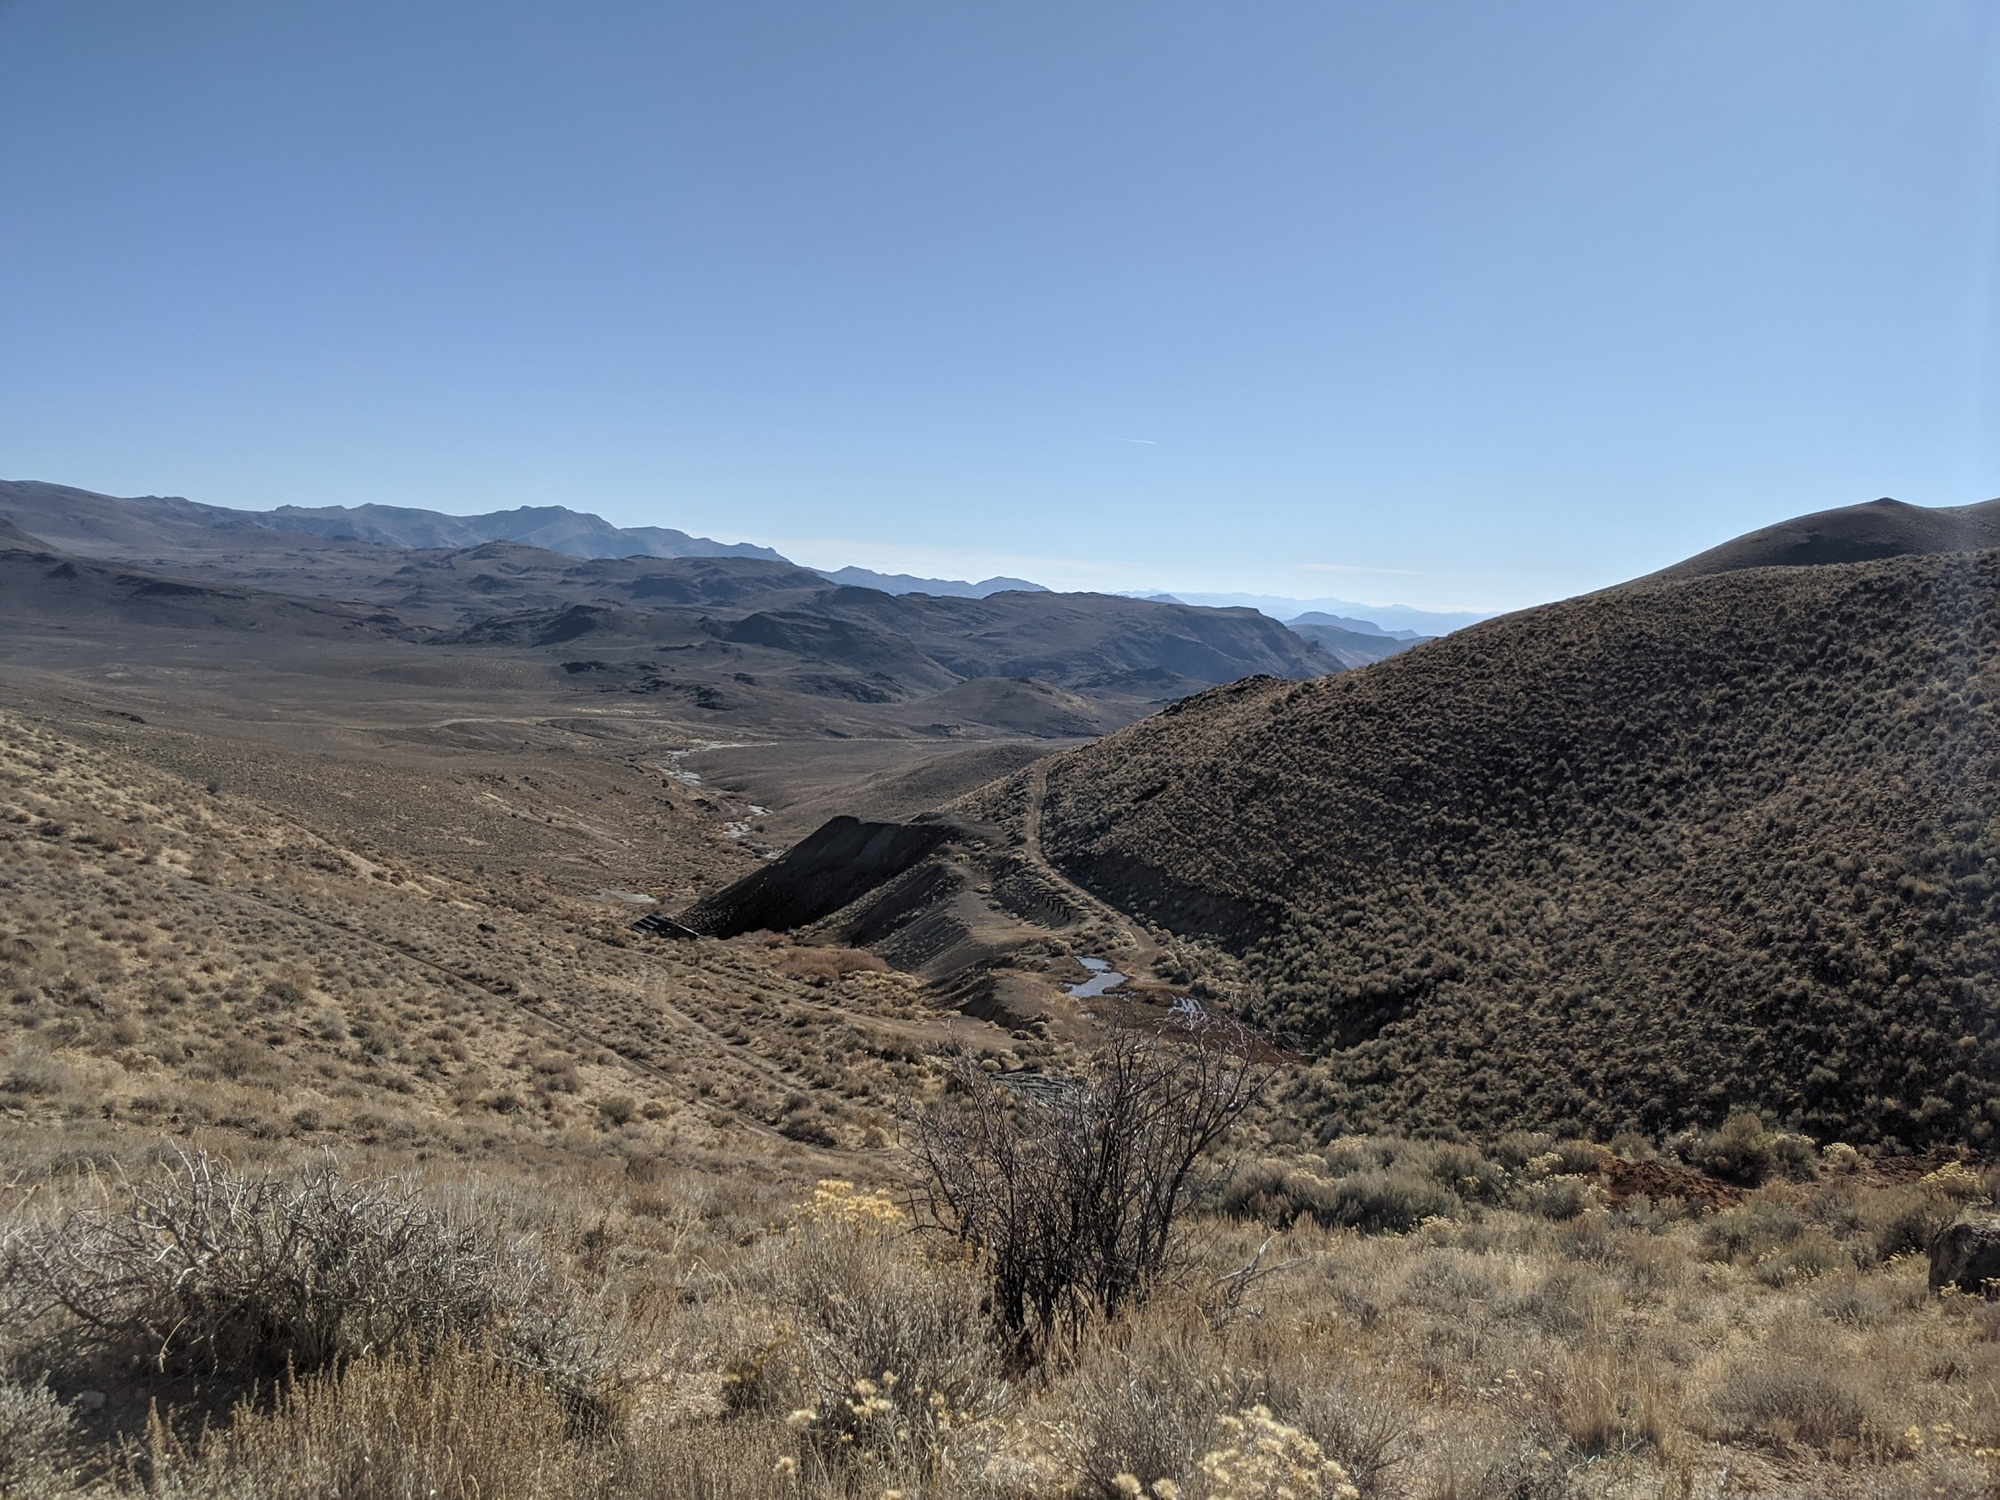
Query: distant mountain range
{"x":947,"y":588}
{"x":553,"y":528}
{"x":751,"y":641}
{"x":84,"y":520}
{"x":1398,"y":620}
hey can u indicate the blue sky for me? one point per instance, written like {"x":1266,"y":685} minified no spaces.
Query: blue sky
{"x":1457,"y":304}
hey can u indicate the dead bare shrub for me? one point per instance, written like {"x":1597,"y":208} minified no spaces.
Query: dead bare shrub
{"x":1070,"y":1192}
{"x":199,"y":1268}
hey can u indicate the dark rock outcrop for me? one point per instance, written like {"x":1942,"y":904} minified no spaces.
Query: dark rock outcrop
{"x":1967,"y":1256}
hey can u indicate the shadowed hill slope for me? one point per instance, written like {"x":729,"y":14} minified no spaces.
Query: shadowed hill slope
{"x":41,"y":588}
{"x":1621,"y":861}
{"x":1066,"y":638}
{"x":1351,"y":648}
{"x":1853,"y":533}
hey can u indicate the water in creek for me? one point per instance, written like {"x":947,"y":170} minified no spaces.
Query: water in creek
{"x":1102,"y":977}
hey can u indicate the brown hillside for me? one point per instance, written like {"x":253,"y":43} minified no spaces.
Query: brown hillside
{"x":1621,"y":861}
{"x":1853,"y":533}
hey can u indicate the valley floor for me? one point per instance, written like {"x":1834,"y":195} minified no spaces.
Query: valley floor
{"x":634,"y":1219}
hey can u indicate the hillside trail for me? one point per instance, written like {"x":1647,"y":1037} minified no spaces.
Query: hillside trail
{"x":1136,"y":963}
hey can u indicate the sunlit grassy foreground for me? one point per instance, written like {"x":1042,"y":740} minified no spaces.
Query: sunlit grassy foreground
{"x":650,"y":1335}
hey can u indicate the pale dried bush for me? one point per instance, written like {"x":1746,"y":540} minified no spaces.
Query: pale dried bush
{"x":1375,"y":1200}
{"x":1792,"y":1398}
{"x":1273,"y":1192}
{"x":1514,"y":1149}
{"x":1565,"y":1302}
{"x":199,"y":1268}
{"x":1142,"y":1398}
{"x":1446,"y":1279}
{"x":1356,"y":1417}
{"x":1961,"y":1184}
{"x":880,"y":1348}
{"x":1906,"y":1220}
{"x":1391,"y":1201}
{"x":744,"y":1458}
{"x":1261,"y":1458}
{"x":1574,"y":1156}
{"x":1858,"y":1302}
{"x":1557,"y":1198}
{"x":1742,"y":1150}
{"x":1753,"y":1230}
{"x":1812,"y":1256}
{"x":824,"y":965}
{"x":36,"y":1432}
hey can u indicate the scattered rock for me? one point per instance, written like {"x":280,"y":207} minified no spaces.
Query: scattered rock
{"x":1966,"y":1255}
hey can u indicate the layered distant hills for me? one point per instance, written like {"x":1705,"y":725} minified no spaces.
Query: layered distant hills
{"x":164,"y":527}
{"x":82,"y":521}
{"x":1728,"y":835}
{"x":749,"y":641}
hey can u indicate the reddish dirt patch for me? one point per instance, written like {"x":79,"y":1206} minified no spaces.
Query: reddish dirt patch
{"x":1656,"y":1180}
{"x":1910,"y":1168}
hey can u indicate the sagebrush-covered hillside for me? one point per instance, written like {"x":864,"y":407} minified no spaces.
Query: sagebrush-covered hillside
{"x":1621,"y":861}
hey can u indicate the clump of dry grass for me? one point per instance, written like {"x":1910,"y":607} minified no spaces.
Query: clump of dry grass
{"x":822,"y":966}
{"x":458,"y":1423}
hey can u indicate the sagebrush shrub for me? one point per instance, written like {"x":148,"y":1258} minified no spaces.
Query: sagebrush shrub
{"x":1740,"y":1151}
{"x":1793,"y":1400}
{"x":201,"y":1269}
{"x":35,"y":1434}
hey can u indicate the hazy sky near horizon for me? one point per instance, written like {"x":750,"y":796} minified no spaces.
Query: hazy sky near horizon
{"x":1443,"y":302}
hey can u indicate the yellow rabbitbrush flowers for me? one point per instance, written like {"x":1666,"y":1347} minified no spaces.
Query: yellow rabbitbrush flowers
{"x":1263,"y":1459}
{"x":835,"y":1201}
{"x":1955,"y":1180}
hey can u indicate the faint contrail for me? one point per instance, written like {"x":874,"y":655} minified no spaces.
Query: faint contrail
{"x":1149,"y":442}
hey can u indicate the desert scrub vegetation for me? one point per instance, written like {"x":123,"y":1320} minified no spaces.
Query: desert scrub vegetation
{"x":656,"y":1332}
{"x":176,"y":959}
{"x":1618,"y":863}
